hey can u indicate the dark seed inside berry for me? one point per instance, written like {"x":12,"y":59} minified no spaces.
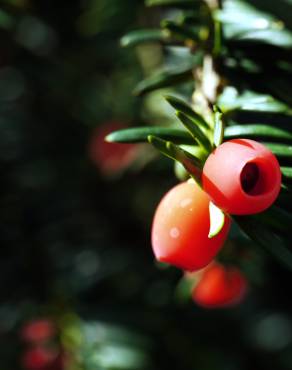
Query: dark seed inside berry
{"x":249,"y":177}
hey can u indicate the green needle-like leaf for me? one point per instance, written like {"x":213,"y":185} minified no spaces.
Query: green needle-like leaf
{"x":281,"y":38}
{"x":140,"y":135}
{"x":277,"y":218}
{"x":137,"y":37}
{"x":181,"y":30}
{"x":164,"y":79}
{"x":185,"y":108}
{"x":178,"y":3}
{"x":258,"y":131}
{"x":219,"y":128}
{"x":264,"y":237}
{"x":245,"y":22}
{"x":217,"y":220}
{"x":287,"y":173}
{"x":231,"y":100}
{"x":281,"y":150}
{"x":195,"y":131}
{"x":192,"y":164}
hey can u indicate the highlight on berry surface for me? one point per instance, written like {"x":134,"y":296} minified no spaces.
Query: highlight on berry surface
{"x":242,"y":176}
{"x":181,"y":227}
{"x":220,"y":287}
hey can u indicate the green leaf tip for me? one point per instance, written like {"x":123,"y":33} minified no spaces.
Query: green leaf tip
{"x":194,"y":129}
{"x":274,"y":243}
{"x":181,"y":106}
{"x":138,"y":37}
{"x":140,"y":135}
{"x":257,"y":131}
{"x":287,"y":172}
{"x":179,"y":3}
{"x":191,"y":163}
{"x":110,"y":138}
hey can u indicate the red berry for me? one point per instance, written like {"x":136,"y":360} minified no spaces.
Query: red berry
{"x":181,"y":226}
{"x":242,"y":177}
{"x":110,"y":158}
{"x":220,"y":286}
{"x":38,"y":330}
{"x":39,"y":358}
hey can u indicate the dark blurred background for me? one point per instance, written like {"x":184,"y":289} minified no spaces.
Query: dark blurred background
{"x":75,"y":223}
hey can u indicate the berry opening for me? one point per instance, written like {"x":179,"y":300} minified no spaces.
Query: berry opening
{"x":249,"y":178}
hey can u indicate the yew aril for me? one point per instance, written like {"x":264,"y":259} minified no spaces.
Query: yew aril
{"x":219,"y":287}
{"x":180,"y":228}
{"x":39,"y":358}
{"x":110,"y":158}
{"x":38,"y":330}
{"x":242,"y":176}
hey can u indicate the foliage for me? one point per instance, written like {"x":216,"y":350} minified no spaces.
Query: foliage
{"x":234,"y":29}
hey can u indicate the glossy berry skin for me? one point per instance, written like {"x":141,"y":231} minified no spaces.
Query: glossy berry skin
{"x":181,"y":226}
{"x":220,"y":287}
{"x":242,"y":177}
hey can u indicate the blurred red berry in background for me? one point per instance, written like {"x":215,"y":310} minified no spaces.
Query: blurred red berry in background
{"x":40,"y":358}
{"x":36,"y":331}
{"x":220,"y":286}
{"x":242,"y":177}
{"x":110,"y":158}
{"x":181,"y":226}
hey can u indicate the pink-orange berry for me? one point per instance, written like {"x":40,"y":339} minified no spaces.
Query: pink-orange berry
{"x":219,"y":287}
{"x":181,"y":226}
